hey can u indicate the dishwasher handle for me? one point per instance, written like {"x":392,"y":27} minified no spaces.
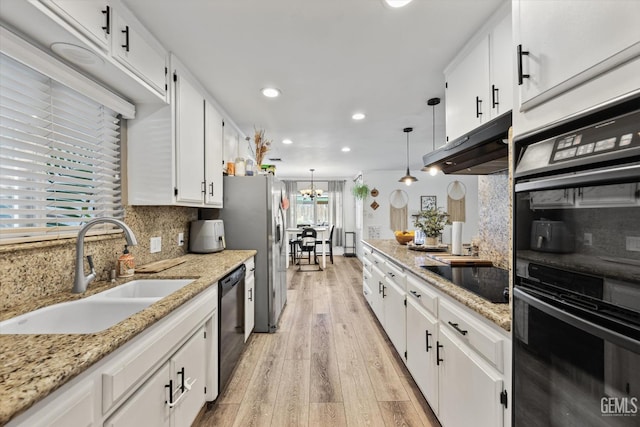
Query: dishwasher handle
{"x":233,"y":278}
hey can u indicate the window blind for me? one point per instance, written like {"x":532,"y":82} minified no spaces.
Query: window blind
{"x":59,"y":157}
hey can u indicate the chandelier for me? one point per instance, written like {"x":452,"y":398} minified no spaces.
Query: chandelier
{"x":311,"y":193}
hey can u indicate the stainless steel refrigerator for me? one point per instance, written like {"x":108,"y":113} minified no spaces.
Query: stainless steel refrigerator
{"x":254,"y":219}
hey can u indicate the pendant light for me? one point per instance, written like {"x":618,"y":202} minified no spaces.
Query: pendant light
{"x":311,"y":192}
{"x":408,"y":179}
{"x":433,"y":171}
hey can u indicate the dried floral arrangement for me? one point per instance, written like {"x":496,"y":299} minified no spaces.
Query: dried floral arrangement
{"x":262,"y":145}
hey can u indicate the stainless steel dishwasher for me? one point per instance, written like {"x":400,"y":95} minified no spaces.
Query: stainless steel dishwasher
{"x":230,"y":324}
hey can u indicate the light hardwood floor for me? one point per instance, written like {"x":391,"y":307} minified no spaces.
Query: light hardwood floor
{"x":329,"y":363}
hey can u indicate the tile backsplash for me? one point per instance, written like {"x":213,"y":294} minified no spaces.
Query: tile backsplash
{"x":35,"y":270}
{"x":494,"y":219}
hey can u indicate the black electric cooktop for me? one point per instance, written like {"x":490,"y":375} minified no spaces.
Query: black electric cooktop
{"x":490,"y":283}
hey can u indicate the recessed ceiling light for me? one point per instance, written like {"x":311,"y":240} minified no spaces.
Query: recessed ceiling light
{"x":287,"y":141}
{"x":77,"y":54}
{"x":397,"y":3}
{"x":358,"y":116}
{"x":346,"y":149}
{"x":271,"y":92}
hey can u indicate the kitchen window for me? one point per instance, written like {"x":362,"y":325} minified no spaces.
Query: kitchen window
{"x":59,"y":157}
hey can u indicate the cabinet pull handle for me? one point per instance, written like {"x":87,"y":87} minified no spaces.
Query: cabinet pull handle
{"x":126,"y":38}
{"x":415,"y":294}
{"x":211,"y":188}
{"x":170,"y":387}
{"x":253,"y":269}
{"x":204,"y":187}
{"x":426,"y":336}
{"x":383,"y":289}
{"x":379,"y":287}
{"x":391,"y":274}
{"x":520,"y":54}
{"x":181,"y":373}
{"x":457,"y":328}
{"x":107,"y":26}
{"x":494,"y":96}
{"x":478,"y":102}
{"x":438,"y":347}
{"x":251,"y":294}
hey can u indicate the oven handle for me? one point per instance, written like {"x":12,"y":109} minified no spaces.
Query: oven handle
{"x":576,"y":321}
{"x":582,"y":179}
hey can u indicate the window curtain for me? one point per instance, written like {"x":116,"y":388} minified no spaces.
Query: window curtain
{"x":291,"y":188}
{"x":336,"y":210}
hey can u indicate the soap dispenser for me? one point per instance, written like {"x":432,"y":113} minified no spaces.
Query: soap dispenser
{"x":126,"y":264}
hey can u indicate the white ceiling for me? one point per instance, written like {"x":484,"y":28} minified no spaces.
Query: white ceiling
{"x":330,"y":58}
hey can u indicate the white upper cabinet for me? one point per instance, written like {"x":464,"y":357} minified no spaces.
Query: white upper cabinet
{"x":189,"y":137}
{"x":134,"y":47}
{"x":574,"y":55}
{"x":175,"y":151}
{"x":91,"y":17}
{"x":467,"y":92}
{"x":110,"y":29}
{"x":213,"y":136}
{"x":479,"y":82}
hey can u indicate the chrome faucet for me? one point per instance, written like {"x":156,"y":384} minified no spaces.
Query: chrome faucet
{"x":80,"y":281}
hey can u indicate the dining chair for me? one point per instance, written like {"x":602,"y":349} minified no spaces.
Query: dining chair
{"x":307,"y":243}
{"x":329,"y":241}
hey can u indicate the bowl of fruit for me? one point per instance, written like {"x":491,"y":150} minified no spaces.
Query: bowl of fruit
{"x":404,"y":237}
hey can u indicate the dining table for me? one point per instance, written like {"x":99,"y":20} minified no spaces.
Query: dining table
{"x":321,"y":237}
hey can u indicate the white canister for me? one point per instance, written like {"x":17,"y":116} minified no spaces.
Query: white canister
{"x":240,"y":166}
{"x":456,"y":238}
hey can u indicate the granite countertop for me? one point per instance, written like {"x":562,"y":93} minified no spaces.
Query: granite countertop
{"x":33,"y":366}
{"x":411,"y":260}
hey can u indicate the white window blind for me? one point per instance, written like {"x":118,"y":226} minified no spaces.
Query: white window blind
{"x":59,"y":157}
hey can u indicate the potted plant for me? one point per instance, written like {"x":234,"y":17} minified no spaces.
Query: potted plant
{"x":360,"y":191}
{"x":431,"y":222}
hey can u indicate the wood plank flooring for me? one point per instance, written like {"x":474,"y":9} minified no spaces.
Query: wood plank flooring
{"x":329,"y":364}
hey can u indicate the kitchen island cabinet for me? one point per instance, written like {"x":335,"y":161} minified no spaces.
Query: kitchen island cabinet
{"x":458,"y":348}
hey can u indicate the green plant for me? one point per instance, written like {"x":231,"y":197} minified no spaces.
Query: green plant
{"x":360,"y":191}
{"x":431,"y":221}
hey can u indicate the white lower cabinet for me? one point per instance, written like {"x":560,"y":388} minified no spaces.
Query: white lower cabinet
{"x":148,"y":405}
{"x":469,"y":389}
{"x":422,"y":336}
{"x":161,"y":377}
{"x":460,"y":361}
{"x":249,"y":299}
{"x":394,"y":315}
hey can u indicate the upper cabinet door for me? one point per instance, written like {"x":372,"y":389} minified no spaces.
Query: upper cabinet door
{"x":567,"y":43}
{"x":501,"y":63}
{"x":213,"y":137}
{"x":468,"y":96}
{"x":91,"y":17}
{"x":135,"y":49}
{"x":189,"y":133}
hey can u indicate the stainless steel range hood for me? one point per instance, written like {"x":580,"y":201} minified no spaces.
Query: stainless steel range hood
{"x":482,"y":151}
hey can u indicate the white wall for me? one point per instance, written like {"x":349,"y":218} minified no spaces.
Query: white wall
{"x":387,"y":181}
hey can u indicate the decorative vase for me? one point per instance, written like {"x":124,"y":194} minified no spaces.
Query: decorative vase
{"x":431,"y":241}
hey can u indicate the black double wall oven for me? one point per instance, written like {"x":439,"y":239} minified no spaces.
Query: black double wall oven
{"x":576,"y":296}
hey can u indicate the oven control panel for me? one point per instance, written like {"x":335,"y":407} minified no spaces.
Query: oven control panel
{"x":615,"y":135}
{"x":616,"y":138}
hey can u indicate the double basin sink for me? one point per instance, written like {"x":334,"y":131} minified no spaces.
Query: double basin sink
{"x":95,"y":313}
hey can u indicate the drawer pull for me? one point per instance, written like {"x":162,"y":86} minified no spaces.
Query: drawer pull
{"x":457,"y":328}
{"x":426,"y":336}
{"x":415,"y":294}
{"x":391,"y":274}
